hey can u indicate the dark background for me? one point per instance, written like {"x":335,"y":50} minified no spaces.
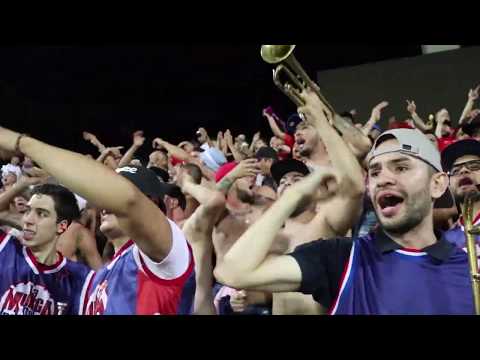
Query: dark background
{"x":167,"y":90}
{"x":434,"y":81}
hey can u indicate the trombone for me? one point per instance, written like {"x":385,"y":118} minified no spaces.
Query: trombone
{"x":288,"y":64}
{"x":470,"y":232}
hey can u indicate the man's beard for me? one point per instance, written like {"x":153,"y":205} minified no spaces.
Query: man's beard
{"x":417,"y":207}
{"x":460,"y":198}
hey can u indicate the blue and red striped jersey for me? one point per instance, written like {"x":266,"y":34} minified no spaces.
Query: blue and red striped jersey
{"x":30,"y":288}
{"x":373,"y":275}
{"x":132,"y":284}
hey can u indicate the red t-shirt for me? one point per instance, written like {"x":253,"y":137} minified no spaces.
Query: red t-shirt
{"x":290,"y":142}
{"x":446,"y":141}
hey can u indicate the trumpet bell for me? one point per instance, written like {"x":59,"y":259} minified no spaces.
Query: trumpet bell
{"x":274,"y":54}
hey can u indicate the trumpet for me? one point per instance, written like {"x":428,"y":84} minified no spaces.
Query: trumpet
{"x":470,"y":232}
{"x":282,"y":55}
{"x":431,"y":119}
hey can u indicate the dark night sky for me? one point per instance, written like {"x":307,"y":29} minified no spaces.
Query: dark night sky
{"x":168,"y":90}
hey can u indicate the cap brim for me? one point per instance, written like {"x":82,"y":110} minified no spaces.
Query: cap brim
{"x":279,"y":169}
{"x":457,"y":150}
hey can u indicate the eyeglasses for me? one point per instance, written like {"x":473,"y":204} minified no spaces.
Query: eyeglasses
{"x":473,"y":165}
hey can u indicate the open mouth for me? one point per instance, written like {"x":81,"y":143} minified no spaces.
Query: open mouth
{"x":389,"y":204}
{"x":28,"y":234}
{"x":300,"y":143}
{"x":465,"y":182}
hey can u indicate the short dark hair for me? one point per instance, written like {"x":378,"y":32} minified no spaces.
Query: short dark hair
{"x":64,"y":201}
{"x":195,"y":172}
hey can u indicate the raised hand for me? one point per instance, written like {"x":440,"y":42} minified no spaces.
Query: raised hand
{"x":33,"y":176}
{"x":115,"y":151}
{"x":411,"y":107}
{"x":158,"y":143}
{"x":228,"y":138}
{"x":473,"y":94}
{"x":248,"y":167}
{"x":442,"y":116}
{"x":89,"y":137}
{"x":321,"y":184}
{"x":314,"y":109}
{"x":138,"y":138}
{"x":377,"y":111}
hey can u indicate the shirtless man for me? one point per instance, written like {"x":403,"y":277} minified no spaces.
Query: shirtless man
{"x":245,"y":204}
{"x":330,"y":218}
{"x":198,"y":230}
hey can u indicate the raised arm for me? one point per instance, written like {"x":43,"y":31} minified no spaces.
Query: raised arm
{"x":255,"y":138}
{"x":441,"y":117}
{"x":472,"y":97}
{"x":198,"y":230}
{"x":341,"y":211}
{"x":173,"y":150}
{"x":247,"y":265}
{"x":229,"y":140}
{"x":374,"y":118}
{"x":33,"y":176}
{"x":245,"y":168}
{"x":138,"y":140}
{"x":88,"y":248}
{"x":106,"y":152}
{"x":273,"y":125}
{"x":94,"y":141}
{"x":419,"y":123}
{"x":139,"y":217}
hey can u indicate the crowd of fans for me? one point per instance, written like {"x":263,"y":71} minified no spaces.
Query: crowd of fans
{"x":226,"y":195}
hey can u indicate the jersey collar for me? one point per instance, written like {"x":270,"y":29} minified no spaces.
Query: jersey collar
{"x":441,"y":250}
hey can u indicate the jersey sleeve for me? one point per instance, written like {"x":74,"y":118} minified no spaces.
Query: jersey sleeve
{"x":179,"y":262}
{"x":322,"y":263}
{"x":4,"y":239}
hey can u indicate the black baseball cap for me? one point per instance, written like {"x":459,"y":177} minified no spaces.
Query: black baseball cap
{"x":266,"y":153}
{"x":147,"y":182}
{"x":457,"y":150}
{"x":281,"y":168}
{"x":471,"y":128}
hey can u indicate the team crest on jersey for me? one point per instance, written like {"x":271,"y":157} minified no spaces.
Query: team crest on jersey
{"x":27,"y":299}
{"x":98,"y":300}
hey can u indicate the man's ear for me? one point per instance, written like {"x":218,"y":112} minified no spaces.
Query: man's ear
{"x":439,"y":185}
{"x":62,"y":226}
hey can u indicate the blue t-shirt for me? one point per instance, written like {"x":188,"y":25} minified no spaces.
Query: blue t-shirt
{"x":30,"y":288}
{"x":373,"y":275}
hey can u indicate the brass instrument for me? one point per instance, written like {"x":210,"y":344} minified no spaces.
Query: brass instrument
{"x":470,"y":232}
{"x":431,"y":119}
{"x":299,"y":80}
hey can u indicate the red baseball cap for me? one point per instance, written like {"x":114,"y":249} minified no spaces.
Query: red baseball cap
{"x":225,"y":170}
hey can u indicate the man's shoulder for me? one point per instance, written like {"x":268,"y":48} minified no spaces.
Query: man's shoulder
{"x":326,"y":245}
